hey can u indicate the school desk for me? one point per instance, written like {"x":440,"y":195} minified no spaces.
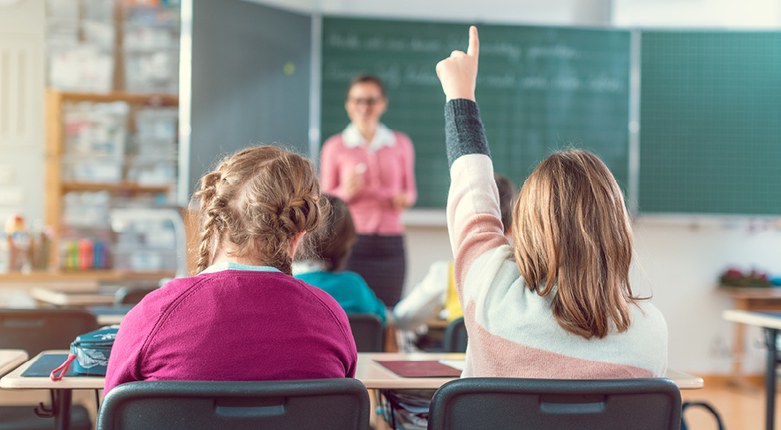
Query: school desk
{"x":109,"y":315}
{"x":86,"y":297}
{"x":10,"y":359}
{"x":771,"y":323}
{"x":749,"y":299}
{"x":376,"y":376}
{"x":372,"y":374}
{"x":62,"y":390}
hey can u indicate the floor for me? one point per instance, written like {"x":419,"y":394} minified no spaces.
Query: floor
{"x":742,"y":407}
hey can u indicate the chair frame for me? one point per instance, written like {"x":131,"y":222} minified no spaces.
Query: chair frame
{"x":22,"y":323}
{"x":570,"y":404}
{"x":456,"y":337}
{"x":371,"y":322}
{"x":242,"y":404}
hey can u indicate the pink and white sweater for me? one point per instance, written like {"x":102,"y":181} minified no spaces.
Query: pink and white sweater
{"x":512,"y":331}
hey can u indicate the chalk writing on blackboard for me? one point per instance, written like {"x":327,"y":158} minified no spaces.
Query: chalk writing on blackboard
{"x":504,"y":49}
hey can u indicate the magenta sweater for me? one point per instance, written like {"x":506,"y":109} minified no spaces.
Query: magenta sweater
{"x":233,"y":325}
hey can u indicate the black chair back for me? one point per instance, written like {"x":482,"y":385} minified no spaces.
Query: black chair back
{"x":368,"y":332}
{"x":455,"y":336}
{"x":521,"y":404}
{"x":36,"y":330}
{"x":338,"y":404}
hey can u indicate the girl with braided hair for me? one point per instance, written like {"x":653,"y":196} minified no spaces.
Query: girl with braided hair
{"x":243,"y":316}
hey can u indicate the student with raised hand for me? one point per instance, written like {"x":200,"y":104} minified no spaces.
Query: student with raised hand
{"x":557,"y":304}
{"x":243,"y":317}
{"x":323,"y":255}
{"x":436,"y":293}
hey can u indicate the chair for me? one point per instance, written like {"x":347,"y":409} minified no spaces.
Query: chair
{"x":520,"y":404}
{"x":455,"y":336}
{"x":368,"y":332}
{"x":338,"y":404}
{"x":36,"y":330}
{"x":131,"y":295}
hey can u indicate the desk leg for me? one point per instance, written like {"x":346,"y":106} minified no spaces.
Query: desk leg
{"x":739,"y":346}
{"x":770,"y":377}
{"x":62,"y":409}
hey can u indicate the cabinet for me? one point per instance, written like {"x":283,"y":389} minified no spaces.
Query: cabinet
{"x":107,"y":151}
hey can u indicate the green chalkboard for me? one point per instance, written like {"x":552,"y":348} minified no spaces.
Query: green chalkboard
{"x":710,"y":139}
{"x":539,"y":89}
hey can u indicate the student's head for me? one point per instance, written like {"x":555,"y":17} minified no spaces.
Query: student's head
{"x":366,"y":101}
{"x":255,"y":205}
{"x":334,"y":239}
{"x":506,"y":199}
{"x":573,"y":240}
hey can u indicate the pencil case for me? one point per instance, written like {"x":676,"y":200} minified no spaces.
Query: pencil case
{"x":92,"y":351}
{"x":89,"y":353}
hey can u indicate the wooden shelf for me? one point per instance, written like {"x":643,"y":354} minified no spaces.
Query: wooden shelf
{"x":150,"y":99}
{"x":77,"y":279}
{"x":56,"y":187}
{"x":127,"y":187}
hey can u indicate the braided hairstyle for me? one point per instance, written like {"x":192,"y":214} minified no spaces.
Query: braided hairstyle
{"x":256,"y":202}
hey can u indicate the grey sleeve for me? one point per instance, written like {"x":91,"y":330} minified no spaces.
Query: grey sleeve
{"x":464,"y":132}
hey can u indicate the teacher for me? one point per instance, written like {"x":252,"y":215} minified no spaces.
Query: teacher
{"x":372,"y":168}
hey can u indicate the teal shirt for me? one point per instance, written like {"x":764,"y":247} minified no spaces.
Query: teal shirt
{"x":349,"y":289}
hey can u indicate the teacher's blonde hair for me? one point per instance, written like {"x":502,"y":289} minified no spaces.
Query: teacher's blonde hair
{"x":573,"y":240}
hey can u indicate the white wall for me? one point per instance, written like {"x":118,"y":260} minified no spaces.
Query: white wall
{"x":698,"y":13}
{"x":21,"y":109}
{"x":563,"y":12}
{"x":678,"y":262}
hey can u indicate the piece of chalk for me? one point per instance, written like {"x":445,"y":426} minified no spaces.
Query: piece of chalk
{"x":360,"y":168}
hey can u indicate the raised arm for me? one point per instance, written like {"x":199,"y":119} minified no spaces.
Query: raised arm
{"x":473,"y":215}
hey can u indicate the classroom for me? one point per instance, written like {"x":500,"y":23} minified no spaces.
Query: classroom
{"x":681,"y":100}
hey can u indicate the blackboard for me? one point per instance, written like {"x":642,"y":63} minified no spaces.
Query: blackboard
{"x":539,"y":89}
{"x":710,"y":122}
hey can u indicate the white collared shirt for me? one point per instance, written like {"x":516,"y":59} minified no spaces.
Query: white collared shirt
{"x":382,"y":137}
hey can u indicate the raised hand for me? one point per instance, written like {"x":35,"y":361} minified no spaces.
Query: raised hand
{"x":458,"y":73}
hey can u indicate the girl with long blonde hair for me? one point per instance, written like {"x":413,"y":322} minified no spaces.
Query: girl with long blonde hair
{"x":556,"y":303}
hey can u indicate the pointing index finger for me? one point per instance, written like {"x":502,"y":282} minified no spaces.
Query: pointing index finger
{"x":474,"y":42}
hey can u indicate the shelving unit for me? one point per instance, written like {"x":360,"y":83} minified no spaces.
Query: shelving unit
{"x":76,"y":280}
{"x":57,"y":187}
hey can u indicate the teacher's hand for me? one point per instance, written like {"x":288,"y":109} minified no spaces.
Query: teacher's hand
{"x":400,"y":201}
{"x":353,"y":184}
{"x":458,"y":73}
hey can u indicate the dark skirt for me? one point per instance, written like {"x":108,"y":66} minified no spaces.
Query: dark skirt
{"x":381,"y":261}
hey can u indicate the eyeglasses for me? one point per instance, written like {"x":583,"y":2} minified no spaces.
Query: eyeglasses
{"x":368,"y":101}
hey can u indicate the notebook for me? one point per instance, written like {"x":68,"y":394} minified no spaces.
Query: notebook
{"x":420,"y":368}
